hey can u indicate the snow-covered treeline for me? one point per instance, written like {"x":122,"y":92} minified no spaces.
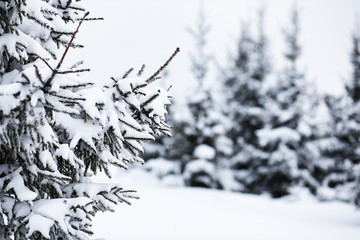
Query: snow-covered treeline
{"x":254,"y":130}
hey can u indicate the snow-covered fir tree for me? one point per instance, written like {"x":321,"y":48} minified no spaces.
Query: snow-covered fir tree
{"x":56,"y":128}
{"x":284,"y":135}
{"x":200,"y":133}
{"x":340,"y":149}
{"x":245,"y":99}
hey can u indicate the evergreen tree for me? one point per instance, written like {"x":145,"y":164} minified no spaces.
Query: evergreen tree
{"x":340,"y":179}
{"x":201,"y":132}
{"x":284,"y":136}
{"x":56,"y":128}
{"x":243,"y":91}
{"x":244,"y":94}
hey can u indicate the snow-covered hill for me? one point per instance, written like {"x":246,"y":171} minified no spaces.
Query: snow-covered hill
{"x":194,"y":214}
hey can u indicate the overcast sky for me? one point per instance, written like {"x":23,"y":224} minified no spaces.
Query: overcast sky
{"x":148,"y":31}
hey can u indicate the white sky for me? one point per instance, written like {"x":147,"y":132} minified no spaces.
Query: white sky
{"x":148,"y":31}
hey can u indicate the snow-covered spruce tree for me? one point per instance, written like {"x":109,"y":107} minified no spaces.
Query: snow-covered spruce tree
{"x":202,"y":130}
{"x":340,"y":149}
{"x":56,"y":128}
{"x":245,"y":99}
{"x":284,"y":135}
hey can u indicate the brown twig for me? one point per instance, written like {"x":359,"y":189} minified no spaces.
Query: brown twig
{"x":55,"y":71}
{"x":154,"y":76}
{"x":70,"y":43}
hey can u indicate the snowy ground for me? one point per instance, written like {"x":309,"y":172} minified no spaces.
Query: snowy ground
{"x":191,"y":213}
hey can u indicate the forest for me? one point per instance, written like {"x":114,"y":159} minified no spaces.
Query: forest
{"x":248,"y":135}
{"x":250,"y":139}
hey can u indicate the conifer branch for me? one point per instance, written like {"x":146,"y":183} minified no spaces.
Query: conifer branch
{"x":130,"y":148}
{"x":128,"y":124}
{"x":39,"y":22}
{"x":68,"y":98}
{"x":55,"y":71}
{"x":50,"y":12}
{"x":75,"y":71}
{"x":155,"y":75}
{"x":26,"y":78}
{"x":77,"y":85}
{"x":130,"y":104}
{"x":118,"y":165}
{"x":128,"y":72}
{"x":120,"y":190}
{"x":104,"y":195}
{"x":149,"y":100}
{"x":124,"y":200}
{"x":141,"y":70}
{"x":38,"y":74}
{"x":138,"y":87}
{"x":71,"y":41}
{"x":94,"y":19}
{"x":138,"y":139}
{"x":47,"y":64}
